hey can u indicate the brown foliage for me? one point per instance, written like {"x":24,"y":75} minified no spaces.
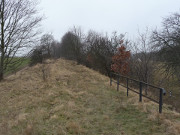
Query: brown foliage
{"x":89,"y":58}
{"x":121,"y":61}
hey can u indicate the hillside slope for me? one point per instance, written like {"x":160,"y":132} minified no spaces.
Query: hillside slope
{"x":76,"y":100}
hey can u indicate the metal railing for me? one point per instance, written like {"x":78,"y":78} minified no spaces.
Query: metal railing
{"x":161,"y":91}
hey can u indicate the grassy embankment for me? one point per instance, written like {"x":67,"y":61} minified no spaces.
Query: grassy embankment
{"x":170,"y":84}
{"x":76,"y":100}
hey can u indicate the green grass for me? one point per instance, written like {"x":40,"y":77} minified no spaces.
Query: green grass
{"x":21,"y":62}
{"x":73,"y":101}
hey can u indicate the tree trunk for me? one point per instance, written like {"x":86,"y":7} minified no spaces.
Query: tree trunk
{"x":2,"y":41}
{"x":1,"y":76}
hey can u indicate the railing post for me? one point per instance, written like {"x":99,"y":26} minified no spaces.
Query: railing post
{"x":140,"y":92}
{"x":127,"y":87}
{"x":118,"y":83}
{"x":110,"y":79}
{"x":160,"y":100}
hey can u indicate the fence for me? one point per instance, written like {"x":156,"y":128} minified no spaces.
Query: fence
{"x":133,"y":85}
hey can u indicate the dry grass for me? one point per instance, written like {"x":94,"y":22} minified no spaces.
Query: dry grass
{"x":75,"y":100}
{"x":170,"y":119}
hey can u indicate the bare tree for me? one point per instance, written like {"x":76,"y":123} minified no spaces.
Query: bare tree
{"x":55,"y":48}
{"x":167,"y":40}
{"x":71,"y":47}
{"x":142,"y":60}
{"x":46,"y":43}
{"x":78,"y":32}
{"x":19,"y":21}
{"x":101,"y":48}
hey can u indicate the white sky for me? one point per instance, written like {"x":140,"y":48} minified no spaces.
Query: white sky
{"x":105,"y":15}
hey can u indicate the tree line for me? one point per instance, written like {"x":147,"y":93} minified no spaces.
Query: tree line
{"x":151,"y":51}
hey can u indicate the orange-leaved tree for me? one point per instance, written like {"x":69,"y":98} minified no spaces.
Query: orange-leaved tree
{"x":120,"y":61}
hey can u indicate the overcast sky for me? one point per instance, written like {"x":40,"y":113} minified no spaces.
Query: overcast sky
{"x":105,"y":15}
